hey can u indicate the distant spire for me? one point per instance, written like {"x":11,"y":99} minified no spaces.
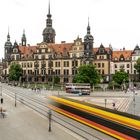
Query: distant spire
{"x":8,"y":36}
{"x":49,"y":13}
{"x":49,"y":8}
{"x":88,"y":27}
{"x":23,"y":39}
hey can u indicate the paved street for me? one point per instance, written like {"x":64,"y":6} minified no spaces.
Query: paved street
{"x":126,"y":102}
{"x":24,"y":124}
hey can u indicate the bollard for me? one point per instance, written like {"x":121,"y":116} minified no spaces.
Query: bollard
{"x":105,"y":102}
{"x":1,"y":100}
{"x":50,"y":117}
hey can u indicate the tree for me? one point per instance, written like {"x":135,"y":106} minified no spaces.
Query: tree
{"x":137,"y":66}
{"x":120,"y":77}
{"x":15,"y":72}
{"x":87,"y":74}
{"x":56,"y":80}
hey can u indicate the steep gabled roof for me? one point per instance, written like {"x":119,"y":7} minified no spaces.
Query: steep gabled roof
{"x":125,"y":53}
{"x":60,"y":48}
{"x":96,"y":49}
{"x":27,"y":51}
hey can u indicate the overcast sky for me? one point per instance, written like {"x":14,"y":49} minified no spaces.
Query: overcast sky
{"x":111,"y":21}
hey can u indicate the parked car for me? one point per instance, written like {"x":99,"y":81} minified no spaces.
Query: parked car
{"x":83,"y":93}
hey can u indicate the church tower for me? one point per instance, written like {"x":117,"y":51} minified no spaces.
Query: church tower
{"x":23,"y":39}
{"x":8,"y":48}
{"x":49,"y":32}
{"x":88,"y":43}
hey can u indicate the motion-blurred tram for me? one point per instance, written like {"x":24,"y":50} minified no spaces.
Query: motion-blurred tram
{"x":117,"y":124}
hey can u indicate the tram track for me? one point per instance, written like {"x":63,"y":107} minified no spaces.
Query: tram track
{"x":41,"y":107}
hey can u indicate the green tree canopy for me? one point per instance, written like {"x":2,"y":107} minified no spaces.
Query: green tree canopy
{"x":56,"y":80}
{"x":87,"y":74}
{"x":137,"y":66}
{"x":15,"y":72}
{"x":120,"y":76}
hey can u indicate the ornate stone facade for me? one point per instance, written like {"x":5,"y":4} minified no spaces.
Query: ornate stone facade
{"x":40,"y":63}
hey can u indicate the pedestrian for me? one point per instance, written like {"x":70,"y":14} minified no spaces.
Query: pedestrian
{"x":113,"y":104}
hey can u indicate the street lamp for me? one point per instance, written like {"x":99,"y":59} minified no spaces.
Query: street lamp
{"x":53,"y":79}
{"x":50,"y":118}
{"x":105,"y":102}
{"x":1,"y":90}
{"x":134,"y":99}
{"x":15,"y":99}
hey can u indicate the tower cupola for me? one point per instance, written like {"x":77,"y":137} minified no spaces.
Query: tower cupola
{"x":23,"y":39}
{"x":49,"y":32}
{"x":88,"y":42}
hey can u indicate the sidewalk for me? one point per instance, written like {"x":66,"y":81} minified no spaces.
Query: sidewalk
{"x":106,"y":99}
{"x":23,"y":123}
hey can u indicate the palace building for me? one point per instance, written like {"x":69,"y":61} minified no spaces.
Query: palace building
{"x":47,"y":59}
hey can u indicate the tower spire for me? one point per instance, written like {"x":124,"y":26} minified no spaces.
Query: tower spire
{"x":49,"y":32}
{"x":8,"y":35}
{"x":88,"y":27}
{"x":49,"y":8}
{"x":23,"y":39}
{"x":49,"y":13}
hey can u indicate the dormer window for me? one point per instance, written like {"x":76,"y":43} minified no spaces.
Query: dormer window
{"x":78,"y":43}
{"x":127,"y":58}
{"x":15,"y":50}
{"x":101,"y":50}
{"x":43,"y":50}
{"x":74,"y":55}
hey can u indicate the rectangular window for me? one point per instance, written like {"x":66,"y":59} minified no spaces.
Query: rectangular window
{"x":36,"y":56}
{"x":102,"y":65}
{"x":66,"y":63}
{"x":31,"y":64}
{"x":58,"y":64}
{"x":74,"y":71}
{"x":103,"y":72}
{"x":43,"y":71}
{"x":128,"y":71}
{"x":65,"y":80}
{"x":43,"y":50}
{"x":49,"y":72}
{"x":42,"y":56}
{"x":99,"y":65}
{"x":66,"y":72}
{"x":127,"y":65}
{"x":73,"y":63}
{"x":76,"y":63}
{"x":55,"y":64}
